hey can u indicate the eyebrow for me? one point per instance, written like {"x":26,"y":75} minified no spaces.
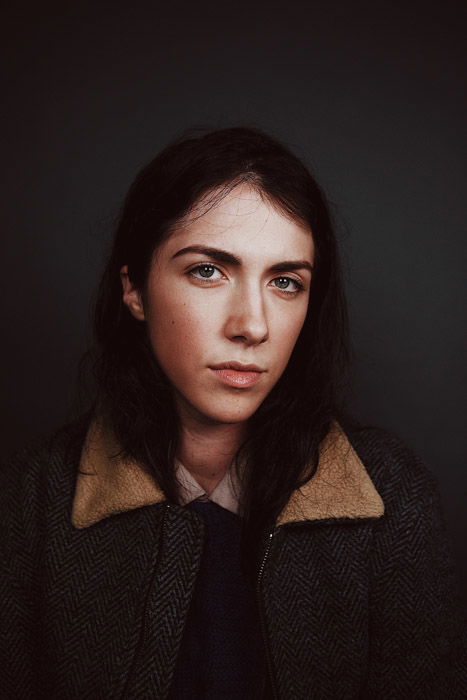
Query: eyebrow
{"x":226,"y":257}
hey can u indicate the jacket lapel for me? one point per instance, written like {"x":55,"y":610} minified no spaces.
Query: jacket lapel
{"x":340,"y":488}
{"x":107,"y":484}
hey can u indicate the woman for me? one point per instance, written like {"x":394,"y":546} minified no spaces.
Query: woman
{"x":214,"y":527}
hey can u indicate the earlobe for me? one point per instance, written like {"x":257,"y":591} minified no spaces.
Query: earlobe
{"x":131,"y":295}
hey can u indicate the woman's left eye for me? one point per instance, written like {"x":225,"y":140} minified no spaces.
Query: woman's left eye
{"x":283,"y":283}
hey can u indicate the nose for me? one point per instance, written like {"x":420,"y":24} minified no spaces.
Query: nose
{"x":246,"y":319}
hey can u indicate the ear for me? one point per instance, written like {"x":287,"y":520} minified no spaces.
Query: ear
{"x":131,"y":295}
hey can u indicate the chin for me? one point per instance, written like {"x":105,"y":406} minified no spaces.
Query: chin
{"x":228,"y":416}
{"x":225,"y":411}
{"x":235,"y":409}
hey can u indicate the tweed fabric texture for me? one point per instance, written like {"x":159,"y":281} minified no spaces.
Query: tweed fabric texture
{"x":351,"y":607}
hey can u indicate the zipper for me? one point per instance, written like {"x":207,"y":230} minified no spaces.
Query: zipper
{"x":262,"y":615}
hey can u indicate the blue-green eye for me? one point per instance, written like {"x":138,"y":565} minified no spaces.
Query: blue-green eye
{"x":284,"y":282}
{"x":204,"y":271}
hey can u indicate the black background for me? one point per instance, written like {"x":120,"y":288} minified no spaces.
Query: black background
{"x":371,"y":95}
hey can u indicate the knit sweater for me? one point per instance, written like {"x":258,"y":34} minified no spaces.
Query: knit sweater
{"x":98,"y":573}
{"x":221,"y":654}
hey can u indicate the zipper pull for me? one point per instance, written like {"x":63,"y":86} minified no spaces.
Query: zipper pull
{"x":266,"y":553}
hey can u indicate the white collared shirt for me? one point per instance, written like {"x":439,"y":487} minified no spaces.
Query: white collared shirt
{"x":225,"y":493}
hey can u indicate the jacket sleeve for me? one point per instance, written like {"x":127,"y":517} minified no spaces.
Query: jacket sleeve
{"x":417,"y":626}
{"x":17,"y":627}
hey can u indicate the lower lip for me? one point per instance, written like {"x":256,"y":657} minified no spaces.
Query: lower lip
{"x":233,"y":377}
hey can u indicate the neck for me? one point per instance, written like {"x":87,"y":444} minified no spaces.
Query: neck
{"x":207,"y":449}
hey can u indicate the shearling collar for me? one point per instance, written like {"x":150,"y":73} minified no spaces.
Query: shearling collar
{"x":106,"y":485}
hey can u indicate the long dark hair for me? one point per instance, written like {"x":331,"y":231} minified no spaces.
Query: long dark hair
{"x":133,"y":394}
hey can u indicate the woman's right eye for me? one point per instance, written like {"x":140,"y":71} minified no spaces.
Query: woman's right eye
{"x":205,"y":272}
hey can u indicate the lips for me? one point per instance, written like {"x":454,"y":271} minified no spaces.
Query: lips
{"x":236,"y":374}
{"x":238,"y":366}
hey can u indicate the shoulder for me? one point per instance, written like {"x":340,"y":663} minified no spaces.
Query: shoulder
{"x":412,"y":534}
{"x":46,"y":465}
{"x":46,"y":449}
{"x":397,"y":472}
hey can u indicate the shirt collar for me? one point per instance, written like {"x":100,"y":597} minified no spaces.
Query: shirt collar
{"x":225,"y":494}
{"x":108,"y":484}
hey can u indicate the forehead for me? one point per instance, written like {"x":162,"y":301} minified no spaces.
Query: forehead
{"x":243,"y":222}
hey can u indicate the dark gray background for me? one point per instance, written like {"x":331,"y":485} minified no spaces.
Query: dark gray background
{"x":371,"y":95}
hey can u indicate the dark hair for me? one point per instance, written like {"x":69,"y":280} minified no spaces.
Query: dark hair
{"x":281,"y":450}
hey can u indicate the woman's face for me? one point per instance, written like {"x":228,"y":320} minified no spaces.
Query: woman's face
{"x":231,"y":286}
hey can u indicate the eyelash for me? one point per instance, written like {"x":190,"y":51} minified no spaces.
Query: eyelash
{"x":206,"y":280}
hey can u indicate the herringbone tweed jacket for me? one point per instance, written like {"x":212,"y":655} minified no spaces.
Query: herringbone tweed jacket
{"x":356,"y":585}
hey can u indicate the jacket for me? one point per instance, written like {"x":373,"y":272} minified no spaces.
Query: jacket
{"x":356,"y":585}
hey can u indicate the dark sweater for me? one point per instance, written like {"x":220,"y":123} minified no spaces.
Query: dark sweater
{"x":221,"y":655}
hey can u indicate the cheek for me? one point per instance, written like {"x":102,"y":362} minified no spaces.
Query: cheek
{"x":288,"y":329}
{"x":175,"y":324}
